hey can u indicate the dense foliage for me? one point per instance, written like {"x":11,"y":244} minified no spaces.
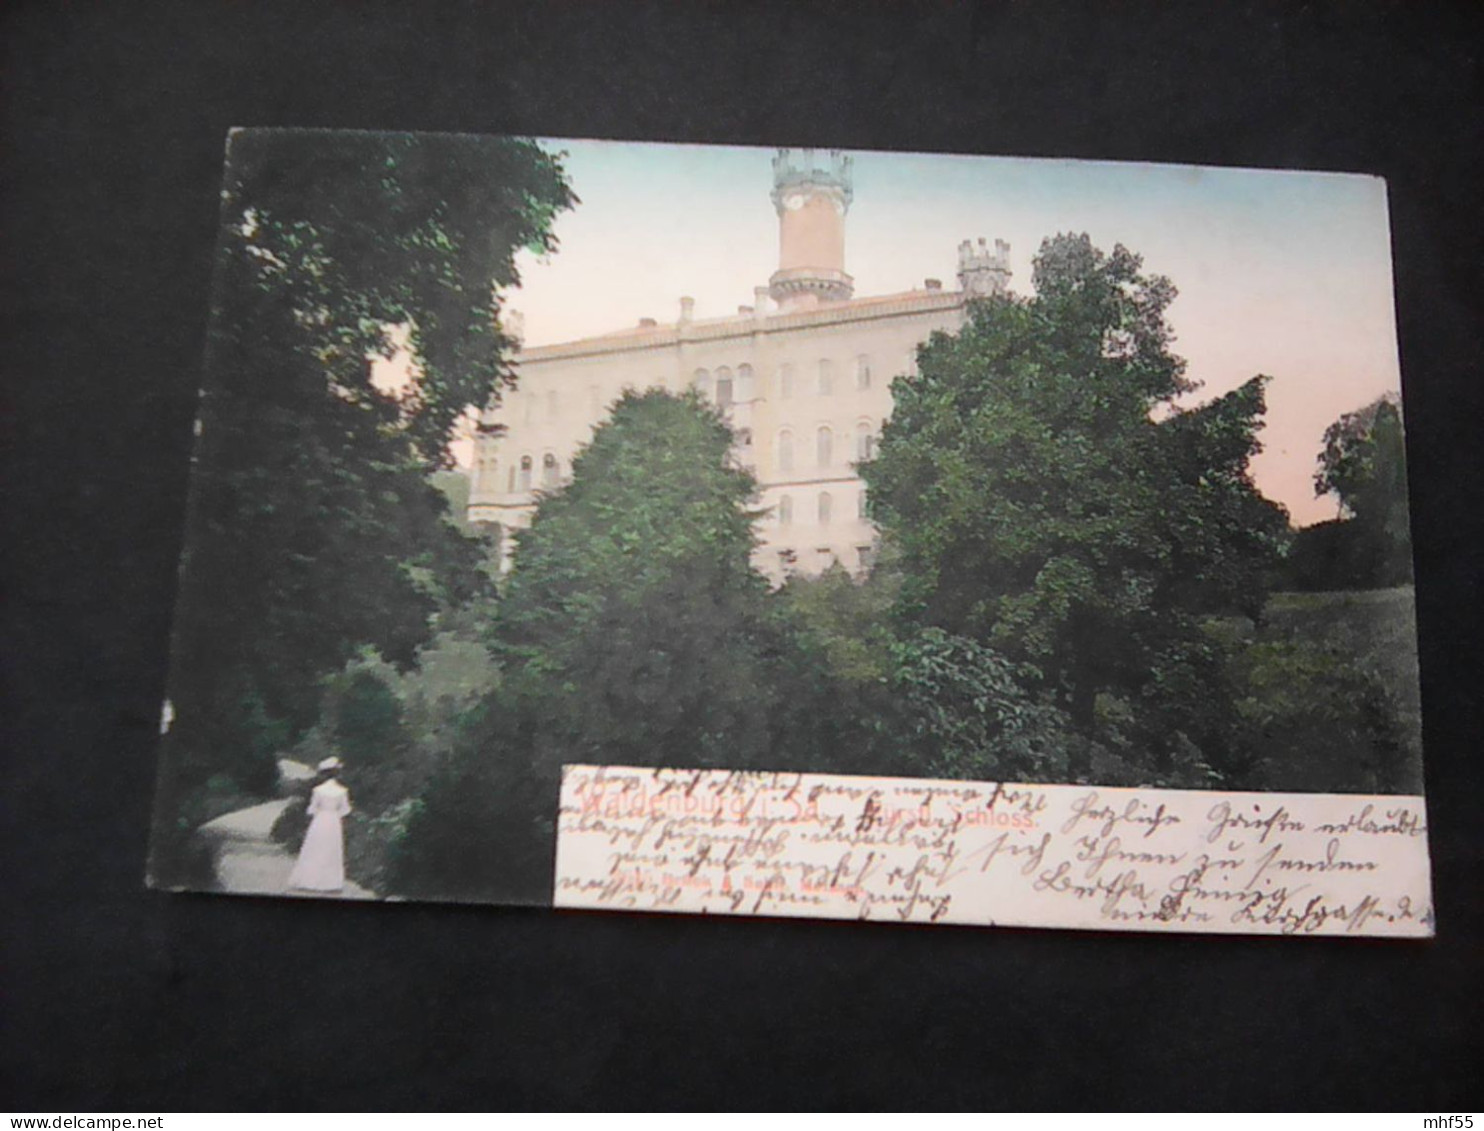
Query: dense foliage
{"x":1053,"y":502}
{"x":632,"y":630}
{"x":1071,"y":584}
{"x":1363,"y":464}
{"x":315,"y":529}
{"x":633,"y":598}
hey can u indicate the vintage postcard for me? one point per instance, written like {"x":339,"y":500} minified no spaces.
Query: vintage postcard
{"x":896,"y":537}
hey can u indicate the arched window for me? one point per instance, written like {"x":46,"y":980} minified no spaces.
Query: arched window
{"x":525,"y":473}
{"x":824,"y":447}
{"x":785,"y":381}
{"x":865,"y":442}
{"x":826,"y":505}
{"x":724,"y":387}
{"x":786,"y":511}
{"x":785,"y":450}
{"x":744,"y":438}
{"x":863,"y":372}
{"x":550,"y":470}
{"x":745,"y":388}
{"x":701,"y":383}
{"x":826,"y":377}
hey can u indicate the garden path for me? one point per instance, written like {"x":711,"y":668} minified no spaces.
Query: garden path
{"x":249,"y":861}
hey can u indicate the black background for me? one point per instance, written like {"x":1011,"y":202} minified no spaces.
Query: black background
{"x":118,"y":998}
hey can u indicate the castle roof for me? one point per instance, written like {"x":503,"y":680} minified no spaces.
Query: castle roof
{"x":745,"y":324}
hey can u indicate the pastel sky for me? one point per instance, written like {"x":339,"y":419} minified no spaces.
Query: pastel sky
{"x":1282,"y":273}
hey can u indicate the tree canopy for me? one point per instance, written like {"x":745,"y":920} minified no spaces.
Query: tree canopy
{"x":315,"y":528}
{"x":632,"y":629}
{"x":1364,"y":465}
{"x":1052,"y":500}
{"x":632,"y":614}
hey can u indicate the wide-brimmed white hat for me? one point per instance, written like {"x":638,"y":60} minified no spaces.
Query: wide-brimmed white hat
{"x":330,"y":763}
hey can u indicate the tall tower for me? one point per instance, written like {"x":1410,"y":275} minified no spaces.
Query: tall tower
{"x":812,"y":195}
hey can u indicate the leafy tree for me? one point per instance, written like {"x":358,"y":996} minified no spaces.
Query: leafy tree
{"x":396,"y":732}
{"x":1334,"y":555}
{"x":965,"y":713}
{"x":836,"y":706}
{"x":368,"y":722}
{"x":1363,"y":464}
{"x":315,"y":527}
{"x":1051,"y":501}
{"x":1320,"y":720}
{"x":632,"y":629}
{"x":483,"y":825}
{"x":633,"y":620}
{"x":844,"y":619}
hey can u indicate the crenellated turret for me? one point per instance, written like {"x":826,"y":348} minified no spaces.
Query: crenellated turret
{"x":983,"y":271}
{"x":801,"y":168}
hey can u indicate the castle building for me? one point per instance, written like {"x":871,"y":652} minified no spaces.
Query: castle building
{"x":803,"y":375}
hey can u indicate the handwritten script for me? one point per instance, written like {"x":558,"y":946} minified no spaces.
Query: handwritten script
{"x":912,"y":850}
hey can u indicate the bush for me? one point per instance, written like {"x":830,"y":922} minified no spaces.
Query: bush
{"x":239,"y":744}
{"x":1343,"y":554}
{"x":483,"y":828}
{"x":368,"y":720}
{"x":1315,"y":721}
{"x":179,"y":857}
{"x":392,"y":730}
{"x":371,"y":842}
{"x":967,"y":715}
{"x":832,"y":706}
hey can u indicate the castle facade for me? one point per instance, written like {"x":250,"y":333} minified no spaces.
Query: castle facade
{"x":803,"y":376}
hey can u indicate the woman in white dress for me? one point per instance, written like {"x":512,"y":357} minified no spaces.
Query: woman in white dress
{"x":321,"y":863}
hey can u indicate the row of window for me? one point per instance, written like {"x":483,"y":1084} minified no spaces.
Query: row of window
{"x":824,"y":508}
{"x":723,"y":386}
{"x":824,"y":446}
{"x":825,"y":557}
{"x":520,"y":477}
{"x":726,"y":388}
